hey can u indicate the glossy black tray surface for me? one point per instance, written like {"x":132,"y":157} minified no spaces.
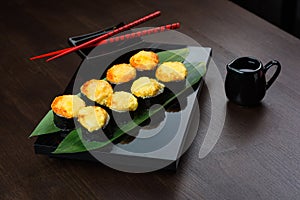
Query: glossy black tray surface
{"x":161,"y":140}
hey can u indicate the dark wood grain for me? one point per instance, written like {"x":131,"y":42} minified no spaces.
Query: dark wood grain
{"x":256,"y":157}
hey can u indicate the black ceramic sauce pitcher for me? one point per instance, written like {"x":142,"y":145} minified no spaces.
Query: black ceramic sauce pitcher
{"x":245,"y":82}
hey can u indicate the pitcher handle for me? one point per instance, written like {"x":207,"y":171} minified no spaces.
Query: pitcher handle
{"x":275,"y":75}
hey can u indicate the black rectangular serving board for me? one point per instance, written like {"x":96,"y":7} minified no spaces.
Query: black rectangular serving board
{"x":142,"y":149}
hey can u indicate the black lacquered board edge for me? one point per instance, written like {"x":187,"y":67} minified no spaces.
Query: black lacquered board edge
{"x":77,"y":40}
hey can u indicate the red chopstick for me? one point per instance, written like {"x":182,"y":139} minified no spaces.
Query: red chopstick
{"x":118,"y":38}
{"x":49,"y":54}
{"x":109,"y":34}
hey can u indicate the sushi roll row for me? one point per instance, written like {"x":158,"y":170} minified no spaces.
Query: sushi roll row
{"x":66,"y":108}
{"x":101,"y":92}
{"x":145,"y":87}
{"x":146,"y":61}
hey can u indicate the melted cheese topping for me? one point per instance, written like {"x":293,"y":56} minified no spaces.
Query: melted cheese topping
{"x":146,"y":87}
{"x":171,"y":71}
{"x":144,"y":60}
{"x":97,"y":90}
{"x":67,"y":105}
{"x":121,"y":73}
{"x":122,"y":101}
{"x":93,"y":118}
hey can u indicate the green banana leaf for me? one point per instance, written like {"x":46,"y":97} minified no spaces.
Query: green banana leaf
{"x":178,"y":55}
{"x":45,"y":126}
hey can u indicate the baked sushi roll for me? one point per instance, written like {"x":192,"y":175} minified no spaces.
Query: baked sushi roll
{"x":65,"y":108}
{"x":97,"y":90}
{"x":171,"y":71}
{"x":144,"y":60}
{"x":122,"y":101}
{"x":145,"y":87}
{"x":121,"y":73}
{"x":93,"y":118}
{"x":122,"y":104}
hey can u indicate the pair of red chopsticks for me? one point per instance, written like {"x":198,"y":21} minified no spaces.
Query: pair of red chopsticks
{"x":103,"y":39}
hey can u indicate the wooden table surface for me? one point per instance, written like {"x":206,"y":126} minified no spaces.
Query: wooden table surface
{"x":257,"y":155}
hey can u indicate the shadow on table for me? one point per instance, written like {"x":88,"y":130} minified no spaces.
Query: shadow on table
{"x":246,"y":122}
